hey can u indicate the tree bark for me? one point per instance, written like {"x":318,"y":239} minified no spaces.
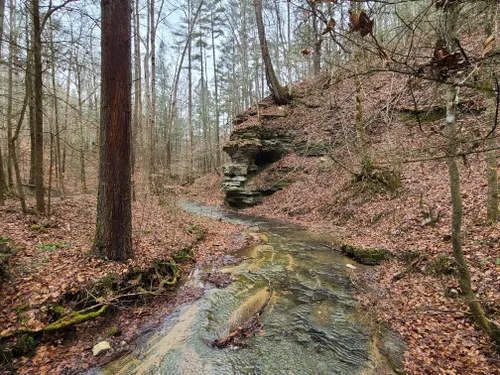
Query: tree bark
{"x":491,"y":143}
{"x":317,"y":41}
{"x":58,"y":167}
{"x":2,"y":173}
{"x":137,"y":137}
{"x":113,"y":238}
{"x":280,"y":93}
{"x":38,"y":128}
{"x":216,"y":90}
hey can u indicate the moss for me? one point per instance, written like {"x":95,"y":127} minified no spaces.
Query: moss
{"x":164,"y":280}
{"x":183,"y":255}
{"x":39,"y":228}
{"x":368,"y":256}
{"x":114,"y":331}
{"x":58,"y":309}
{"x":440,"y":265}
{"x":74,"y":318}
{"x":26,"y":344}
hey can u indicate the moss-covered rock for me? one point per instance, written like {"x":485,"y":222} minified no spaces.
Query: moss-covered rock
{"x":440,"y":265}
{"x":369,"y":256}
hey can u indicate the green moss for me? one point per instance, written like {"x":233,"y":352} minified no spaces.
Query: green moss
{"x":21,"y":308}
{"x":114,"y":331}
{"x":440,"y":265}
{"x":39,"y":228}
{"x":26,"y":343}
{"x":58,"y":309}
{"x":182,"y":255}
{"x":74,"y":318}
{"x":368,"y":256}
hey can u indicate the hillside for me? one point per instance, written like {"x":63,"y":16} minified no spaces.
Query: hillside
{"x":302,"y":163}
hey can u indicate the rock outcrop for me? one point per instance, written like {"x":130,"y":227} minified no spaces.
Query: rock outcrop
{"x":252,"y":147}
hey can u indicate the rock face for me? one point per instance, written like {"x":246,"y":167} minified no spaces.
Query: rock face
{"x":251,"y":147}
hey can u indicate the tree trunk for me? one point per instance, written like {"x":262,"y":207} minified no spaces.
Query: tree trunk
{"x":58,"y":167}
{"x":190,"y":105}
{"x":137,"y":137}
{"x":78,"y":72}
{"x":147,"y":95}
{"x":491,"y":143}
{"x":12,"y":46}
{"x":38,"y":129}
{"x":216,"y":89}
{"x":13,"y":141}
{"x":113,"y":238}
{"x":2,"y":173}
{"x":491,"y":162}
{"x":152,"y":110}
{"x":66,"y":109}
{"x":279,"y":93}
{"x":448,"y":30}
{"x":317,"y":41}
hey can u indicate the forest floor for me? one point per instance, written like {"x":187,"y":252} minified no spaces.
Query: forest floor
{"x":51,"y":274}
{"x":417,"y":291}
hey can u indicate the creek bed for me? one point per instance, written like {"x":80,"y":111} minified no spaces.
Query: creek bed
{"x":311,"y":324}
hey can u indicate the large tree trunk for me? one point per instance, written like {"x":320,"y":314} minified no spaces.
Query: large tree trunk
{"x":38,"y":129}
{"x":113,"y":238}
{"x":280,"y":93}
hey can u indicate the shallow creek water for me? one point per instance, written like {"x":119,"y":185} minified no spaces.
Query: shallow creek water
{"x":311,"y":324}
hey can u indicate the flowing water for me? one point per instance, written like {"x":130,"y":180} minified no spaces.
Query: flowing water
{"x":311,"y":323}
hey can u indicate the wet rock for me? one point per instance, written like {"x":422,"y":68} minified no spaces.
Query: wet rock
{"x":218,"y":279}
{"x":369,"y":256}
{"x":101,"y":348}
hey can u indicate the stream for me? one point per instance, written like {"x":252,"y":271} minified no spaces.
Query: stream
{"x":311,"y":324}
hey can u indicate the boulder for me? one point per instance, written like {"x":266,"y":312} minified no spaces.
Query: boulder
{"x":369,"y":256}
{"x":101,"y":348}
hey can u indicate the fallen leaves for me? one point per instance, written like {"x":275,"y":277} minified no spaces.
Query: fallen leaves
{"x":53,"y":263}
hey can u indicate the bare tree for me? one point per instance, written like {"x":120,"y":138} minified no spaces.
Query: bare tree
{"x":280,"y":93}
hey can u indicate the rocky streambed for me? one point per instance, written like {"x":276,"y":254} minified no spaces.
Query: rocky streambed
{"x":310,"y":325}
